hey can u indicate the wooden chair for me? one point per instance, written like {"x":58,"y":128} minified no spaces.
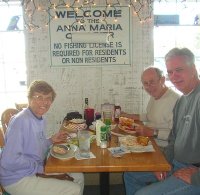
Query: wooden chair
{"x":2,"y":191}
{"x":5,"y":117}
{"x":1,"y":146}
{"x":1,"y":138}
{"x":20,"y":106}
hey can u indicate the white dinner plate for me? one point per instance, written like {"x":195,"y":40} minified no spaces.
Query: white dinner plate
{"x":68,"y":155}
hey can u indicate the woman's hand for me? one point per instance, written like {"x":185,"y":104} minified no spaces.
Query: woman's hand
{"x":61,"y":136}
{"x":63,"y":176}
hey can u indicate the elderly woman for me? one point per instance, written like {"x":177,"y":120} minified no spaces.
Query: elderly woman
{"x":22,"y":159}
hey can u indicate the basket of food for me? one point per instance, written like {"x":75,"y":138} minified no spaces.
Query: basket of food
{"x":136,"y":144}
{"x":74,"y":125}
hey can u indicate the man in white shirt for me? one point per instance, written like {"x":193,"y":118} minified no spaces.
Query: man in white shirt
{"x":158,"y":116}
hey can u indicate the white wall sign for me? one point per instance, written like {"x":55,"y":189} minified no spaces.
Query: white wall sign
{"x":98,"y":36}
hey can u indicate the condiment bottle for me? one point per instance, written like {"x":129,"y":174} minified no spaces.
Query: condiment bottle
{"x":117,"y":112}
{"x":108,"y":127}
{"x":99,"y":123}
{"x":97,"y":116}
{"x":103,"y":137}
{"x":88,"y":113}
{"x":85,"y":107}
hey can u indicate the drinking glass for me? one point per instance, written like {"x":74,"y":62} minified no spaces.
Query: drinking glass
{"x":89,"y":116}
{"x":84,"y":143}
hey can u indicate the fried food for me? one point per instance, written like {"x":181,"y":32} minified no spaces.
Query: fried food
{"x":124,"y":121}
{"x":60,"y":149}
{"x":126,"y":124}
{"x":142,"y":140}
{"x":128,"y":141}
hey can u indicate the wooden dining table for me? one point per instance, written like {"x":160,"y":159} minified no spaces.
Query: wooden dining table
{"x":105,"y":162}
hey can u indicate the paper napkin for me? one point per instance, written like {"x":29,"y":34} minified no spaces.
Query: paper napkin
{"x":78,"y":157}
{"x":118,"y":150}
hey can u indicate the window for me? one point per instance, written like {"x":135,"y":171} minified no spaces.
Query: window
{"x":176,"y":24}
{"x":12,"y":56}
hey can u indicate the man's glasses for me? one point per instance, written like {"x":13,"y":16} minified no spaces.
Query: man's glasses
{"x":40,"y":98}
{"x":150,"y":83}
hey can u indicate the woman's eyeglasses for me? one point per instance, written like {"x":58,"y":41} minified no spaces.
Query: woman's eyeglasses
{"x":40,"y":98}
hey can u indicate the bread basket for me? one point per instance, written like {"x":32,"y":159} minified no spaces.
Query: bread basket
{"x":74,"y":125}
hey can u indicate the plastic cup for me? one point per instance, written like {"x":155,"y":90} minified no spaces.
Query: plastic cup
{"x":89,"y":116}
{"x":84,"y":143}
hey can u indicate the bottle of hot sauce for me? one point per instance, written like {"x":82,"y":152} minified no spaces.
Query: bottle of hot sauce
{"x":117,"y":112}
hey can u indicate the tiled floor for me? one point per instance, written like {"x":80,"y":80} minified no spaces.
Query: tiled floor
{"x":117,"y":189}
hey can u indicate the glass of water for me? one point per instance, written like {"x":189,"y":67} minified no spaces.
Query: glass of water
{"x":84,"y":143}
